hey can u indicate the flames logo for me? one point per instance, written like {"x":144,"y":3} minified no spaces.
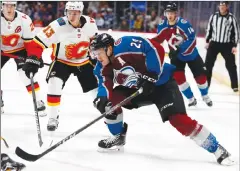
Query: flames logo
{"x":126,"y":76}
{"x":76,"y":51}
{"x":10,"y":40}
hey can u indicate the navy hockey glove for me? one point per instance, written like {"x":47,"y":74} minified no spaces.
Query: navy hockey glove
{"x":102,"y":104}
{"x":32,"y":64}
{"x":147,"y":82}
{"x":174,"y":53}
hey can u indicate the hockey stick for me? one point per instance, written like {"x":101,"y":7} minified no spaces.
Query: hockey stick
{"x":18,"y":57}
{"x":30,"y":157}
{"x":36,"y":111}
{"x":5,"y":142}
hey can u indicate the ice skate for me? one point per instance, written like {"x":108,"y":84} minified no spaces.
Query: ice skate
{"x":224,"y":157}
{"x":114,"y":143}
{"x":192,"y":102}
{"x":8,"y":164}
{"x":52,"y":124}
{"x":207,"y":100}
{"x":41,"y":108}
{"x":235,"y":90}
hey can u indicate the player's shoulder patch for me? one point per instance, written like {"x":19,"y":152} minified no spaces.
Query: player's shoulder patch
{"x":183,"y":21}
{"x":61,"y":21}
{"x":161,"y":22}
{"x":118,"y":42}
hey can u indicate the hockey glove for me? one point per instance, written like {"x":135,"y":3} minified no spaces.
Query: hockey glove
{"x":102,"y":104}
{"x":147,"y":82}
{"x":174,"y":53}
{"x":32,"y":64}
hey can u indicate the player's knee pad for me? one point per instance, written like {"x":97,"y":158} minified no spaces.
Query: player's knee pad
{"x":202,"y":79}
{"x":183,"y":123}
{"x":180,"y":77}
{"x":55,"y":85}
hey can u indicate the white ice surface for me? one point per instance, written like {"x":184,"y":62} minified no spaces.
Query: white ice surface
{"x":151,"y":145}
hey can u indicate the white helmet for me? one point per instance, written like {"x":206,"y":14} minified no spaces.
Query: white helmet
{"x":74,"y":5}
{"x":10,"y":2}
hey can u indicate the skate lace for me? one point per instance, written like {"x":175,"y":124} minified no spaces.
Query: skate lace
{"x":111,"y":139}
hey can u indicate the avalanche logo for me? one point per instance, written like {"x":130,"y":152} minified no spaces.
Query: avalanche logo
{"x":126,"y":76}
{"x":118,"y":42}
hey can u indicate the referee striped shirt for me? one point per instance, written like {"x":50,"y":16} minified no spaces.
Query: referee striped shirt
{"x":223,"y":29}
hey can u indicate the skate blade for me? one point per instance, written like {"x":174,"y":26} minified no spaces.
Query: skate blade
{"x":228,"y":162}
{"x":113,"y":149}
{"x":42,"y":113}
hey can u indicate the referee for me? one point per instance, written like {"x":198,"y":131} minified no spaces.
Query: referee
{"x":223,"y":35}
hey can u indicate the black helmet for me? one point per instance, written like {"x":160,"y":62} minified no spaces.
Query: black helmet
{"x":224,"y":3}
{"x":101,"y":41}
{"x":171,"y":7}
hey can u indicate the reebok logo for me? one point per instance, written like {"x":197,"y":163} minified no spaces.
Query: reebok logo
{"x":166,"y":106}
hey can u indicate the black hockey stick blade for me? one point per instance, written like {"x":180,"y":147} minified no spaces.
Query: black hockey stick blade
{"x":26,"y":156}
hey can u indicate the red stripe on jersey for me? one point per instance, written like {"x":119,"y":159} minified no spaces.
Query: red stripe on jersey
{"x":162,"y":35}
{"x":190,"y":48}
{"x":160,"y":50}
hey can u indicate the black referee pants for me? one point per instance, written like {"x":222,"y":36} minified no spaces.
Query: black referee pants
{"x":226,"y":51}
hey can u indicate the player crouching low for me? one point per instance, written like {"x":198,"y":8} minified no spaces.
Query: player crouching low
{"x":134,"y":62}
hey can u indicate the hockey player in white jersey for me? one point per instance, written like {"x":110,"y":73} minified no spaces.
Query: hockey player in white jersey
{"x":70,"y":38}
{"x":16,"y":32}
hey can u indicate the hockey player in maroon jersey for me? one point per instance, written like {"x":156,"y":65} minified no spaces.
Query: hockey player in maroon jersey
{"x":133,"y":63}
{"x":17,"y":31}
{"x":182,"y":44}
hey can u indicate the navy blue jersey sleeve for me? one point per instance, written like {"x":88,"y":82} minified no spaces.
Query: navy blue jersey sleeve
{"x":128,"y":45}
{"x":105,"y":80}
{"x":189,"y":44}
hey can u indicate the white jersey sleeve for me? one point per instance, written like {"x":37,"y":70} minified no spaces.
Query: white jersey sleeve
{"x":28,"y":28}
{"x":91,"y":26}
{"x":49,"y":34}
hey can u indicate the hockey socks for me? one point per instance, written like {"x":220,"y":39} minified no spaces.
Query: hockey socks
{"x":202,"y":84}
{"x":114,"y":123}
{"x":27,"y":83}
{"x":184,"y":87}
{"x":198,"y":133}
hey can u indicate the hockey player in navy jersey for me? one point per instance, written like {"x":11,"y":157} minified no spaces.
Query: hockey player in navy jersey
{"x":182,"y":44}
{"x":134,"y":62}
